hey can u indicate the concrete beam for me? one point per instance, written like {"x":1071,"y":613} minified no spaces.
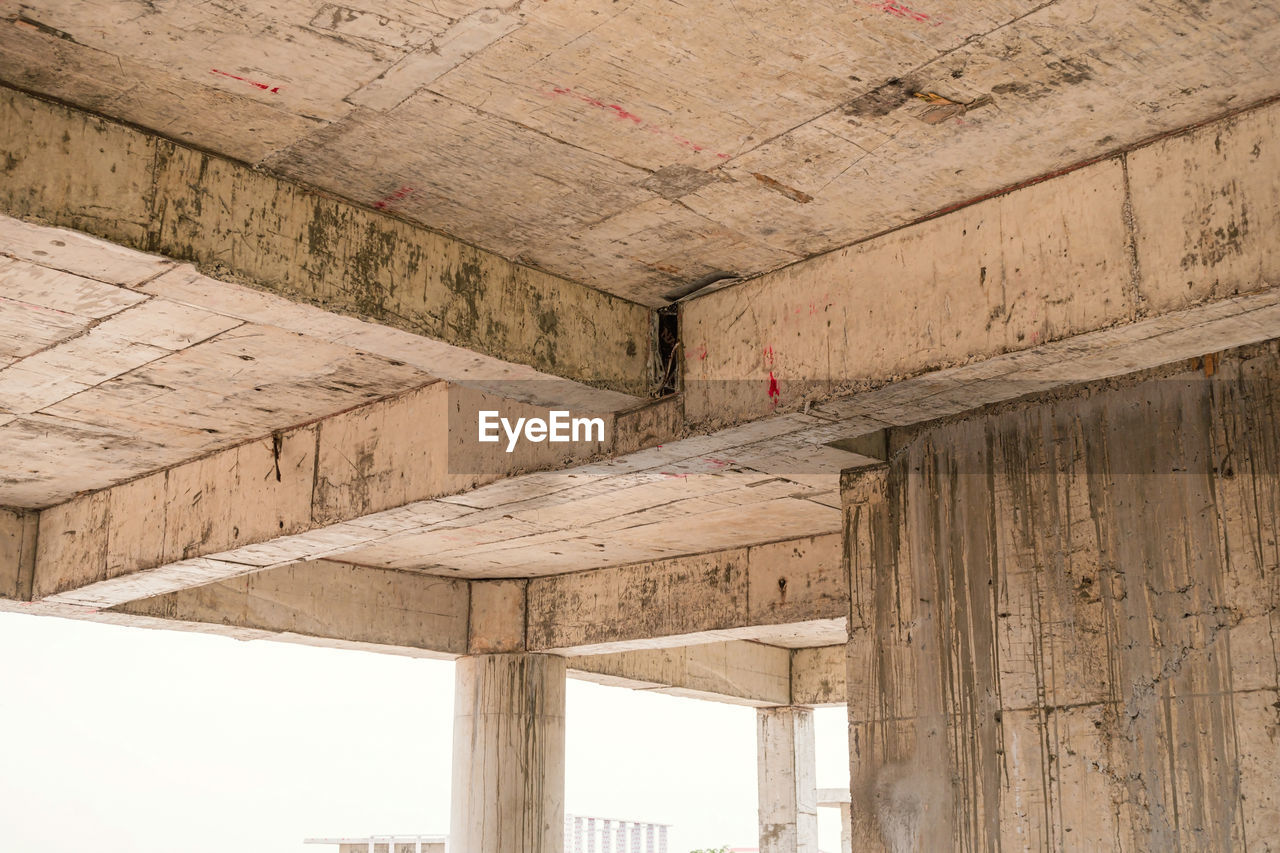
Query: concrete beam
{"x":736,"y":672}
{"x":70,"y":167}
{"x":496,"y":616}
{"x":332,"y":603}
{"x":818,"y":676}
{"x":299,"y":494}
{"x":208,"y":539}
{"x":326,"y":600}
{"x":769,"y":590}
{"x":1183,"y":221}
{"x":784,"y":467}
{"x":415,"y":615}
{"x":688,"y":599}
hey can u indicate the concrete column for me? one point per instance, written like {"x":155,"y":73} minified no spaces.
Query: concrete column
{"x":508,"y":754}
{"x":786,"y":770}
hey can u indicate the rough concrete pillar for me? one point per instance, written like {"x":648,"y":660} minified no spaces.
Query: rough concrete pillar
{"x":508,"y":754}
{"x":1062,"y":616}
{"x":786,"y":770}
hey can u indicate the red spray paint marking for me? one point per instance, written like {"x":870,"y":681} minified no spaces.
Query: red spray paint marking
{"x":768,"y":356}
{"x":275,"y":90}
{"x":623,"y":114}
{"x":895,"y":8}
{"x":775,"y":393}
{"x":395,"y":196}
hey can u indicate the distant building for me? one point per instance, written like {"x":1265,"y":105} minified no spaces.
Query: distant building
{"x":610,"y":835}
{"x":388,"y":844}
{"x":581,"y":835}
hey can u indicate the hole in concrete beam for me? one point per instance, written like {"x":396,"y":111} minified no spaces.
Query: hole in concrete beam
{"x":668,"y":350}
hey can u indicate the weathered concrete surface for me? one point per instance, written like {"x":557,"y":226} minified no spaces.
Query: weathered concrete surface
{"x":1062,"y":629}
{"x":647,"y":155}
{"x":70,"y":168}
{"x":157,"y":416}
{"x":786,"y":776}
{"x":18,"y":530}
{"x":734,"y":671}
{"x":640,"y":508}
{"x":680,"y":600}
{"x":772,"y":479}
{"x":326,"y":602}
{"x":115,"y":364}
{"x":358,"y":463}
{"x":424,"y":616}
{"x":331,"y":600}
{"x":818,"y":676}
{"x":508,"y":755}
{"x":1180,"y":222}
{"x":497,"y":616}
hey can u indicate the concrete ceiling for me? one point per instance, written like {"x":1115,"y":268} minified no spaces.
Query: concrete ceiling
{"x":639,"y":145}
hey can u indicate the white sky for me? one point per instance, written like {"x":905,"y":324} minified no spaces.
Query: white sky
{"x":124,"y":740}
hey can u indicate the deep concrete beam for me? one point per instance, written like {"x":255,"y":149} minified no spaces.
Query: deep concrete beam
{"x":734,"y":671}
{"x":667,"y":603}
{"x":688,"y":599}
{"x":73,"y":168}
{"x":233,"y":532}
{"x":326,"y":601}
{"x":304,"y":492}
{"x":1182,"y":221}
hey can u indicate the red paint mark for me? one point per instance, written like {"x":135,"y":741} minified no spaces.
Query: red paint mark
{"x":398,"y":195}
{"x":623,"y":114}
{"x":587,"y":99}
{"x":768,"y":356}
{"x":719,"y":463}
{"x":671,"y":476}
{"x":275,"y":90}
{"x":775,"y":393}
{"x":702,"y":353}
{"x":895,"y":8}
